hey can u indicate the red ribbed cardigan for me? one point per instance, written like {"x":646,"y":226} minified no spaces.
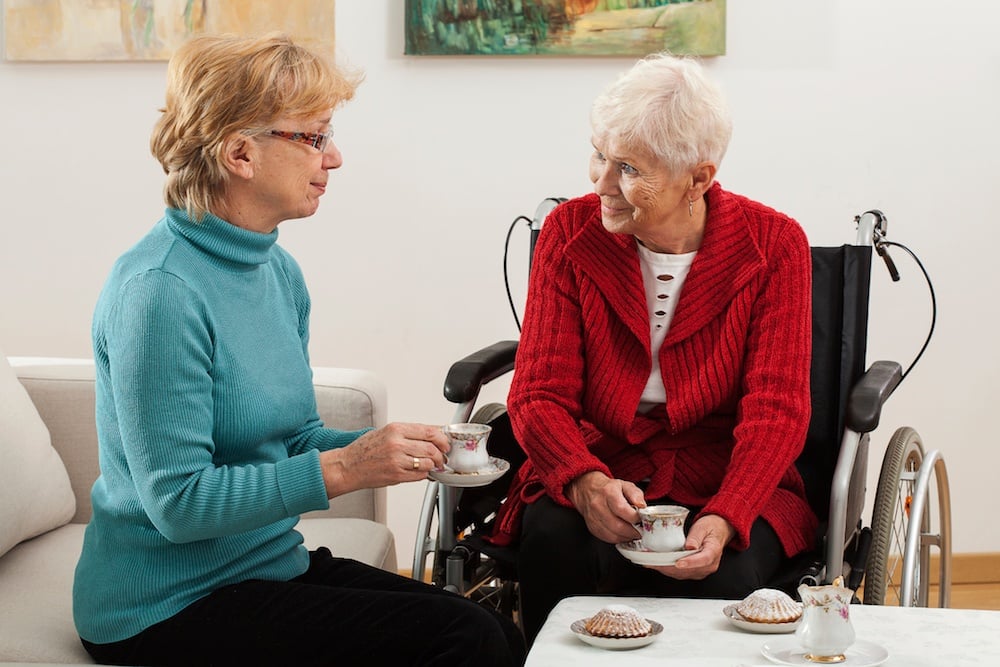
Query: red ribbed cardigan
{"x":735,"y":364}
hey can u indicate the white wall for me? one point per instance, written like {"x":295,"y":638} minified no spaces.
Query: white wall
{"x":839,"y":107}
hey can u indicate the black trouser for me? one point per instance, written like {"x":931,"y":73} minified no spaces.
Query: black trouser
{"x":340,"y":612}
{"x":558,"y":558}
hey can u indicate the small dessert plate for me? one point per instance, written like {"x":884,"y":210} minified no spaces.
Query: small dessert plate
{"x":579,"y":628}
{"x":755,"y":626}
{"x":492,"y":472}
{"x":635,"y":552}
{"x":788,"y":651}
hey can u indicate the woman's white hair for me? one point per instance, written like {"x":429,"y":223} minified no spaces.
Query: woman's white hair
{"x":666,"y":104}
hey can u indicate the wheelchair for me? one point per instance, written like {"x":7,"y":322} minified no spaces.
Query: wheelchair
{"x":889,"y":560}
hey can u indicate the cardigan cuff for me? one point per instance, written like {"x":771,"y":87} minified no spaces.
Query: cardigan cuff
{"x":556,"y":484}
{"x":733,"y":508}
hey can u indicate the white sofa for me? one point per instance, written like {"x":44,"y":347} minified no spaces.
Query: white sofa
{"x":36,"y":573}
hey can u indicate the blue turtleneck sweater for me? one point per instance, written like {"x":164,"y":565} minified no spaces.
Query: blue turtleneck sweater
{"x":206,"y":417}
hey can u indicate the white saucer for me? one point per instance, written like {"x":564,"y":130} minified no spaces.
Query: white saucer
{"x":615,"y":643}
{"x":492,"y":472}
{"x":755,"y":626}
{"x":788,"y":651}
{"x":635,"y":552}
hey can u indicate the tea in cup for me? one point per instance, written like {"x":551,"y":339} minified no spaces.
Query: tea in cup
{"x":468,"y":447}
{"x":661,"y":527}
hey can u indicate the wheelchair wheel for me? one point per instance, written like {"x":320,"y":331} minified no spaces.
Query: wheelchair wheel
{"x":891,"y":522}
{"x":488,"y":413}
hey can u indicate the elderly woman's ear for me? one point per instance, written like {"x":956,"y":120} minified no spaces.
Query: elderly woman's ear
{"x":702,"y":177}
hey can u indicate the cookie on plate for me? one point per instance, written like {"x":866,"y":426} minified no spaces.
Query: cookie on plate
{"x":618,"y":620}
{"x":769,"y":605}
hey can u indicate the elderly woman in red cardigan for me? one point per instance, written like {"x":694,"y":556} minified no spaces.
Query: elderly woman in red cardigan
{"x":664,"y":358}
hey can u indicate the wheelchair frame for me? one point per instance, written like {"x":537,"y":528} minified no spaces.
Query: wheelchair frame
{"x":904,"y":485}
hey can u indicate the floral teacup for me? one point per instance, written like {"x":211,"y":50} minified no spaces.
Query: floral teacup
{"x":661,"y":527}
{"x":468,"y":447}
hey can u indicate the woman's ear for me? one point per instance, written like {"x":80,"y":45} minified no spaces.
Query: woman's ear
{"x":239,"y":155}
{"x":702,"y":177}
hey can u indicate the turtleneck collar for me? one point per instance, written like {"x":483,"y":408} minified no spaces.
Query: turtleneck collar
{"x":223,"y":240}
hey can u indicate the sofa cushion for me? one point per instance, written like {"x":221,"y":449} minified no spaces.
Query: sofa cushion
{"x":35,"y":493}
{"x":363,"y":540}
{"x":36,"y":603}
{"x":36,"y":583}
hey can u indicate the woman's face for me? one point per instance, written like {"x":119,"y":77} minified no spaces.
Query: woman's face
{"x":291,"y":175}
{"x":638,"y":194}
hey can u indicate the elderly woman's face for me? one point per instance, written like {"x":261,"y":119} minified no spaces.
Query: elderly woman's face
{"x":638,"y":193}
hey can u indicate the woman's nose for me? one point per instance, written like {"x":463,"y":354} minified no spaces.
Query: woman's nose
{"x":603,"y":180}
{"x":332,"y":157}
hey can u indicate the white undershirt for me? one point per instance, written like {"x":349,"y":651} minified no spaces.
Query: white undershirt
{"x":663,"y":276}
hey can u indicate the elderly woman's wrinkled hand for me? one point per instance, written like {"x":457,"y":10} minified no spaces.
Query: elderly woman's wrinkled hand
{"x":608,"y":505}
{"x":398,"y":452}
{"x":708,"y":536}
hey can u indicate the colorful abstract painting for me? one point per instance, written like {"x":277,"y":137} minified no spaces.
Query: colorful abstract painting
{"x":565,"y":27}
{"x":152,"y":29}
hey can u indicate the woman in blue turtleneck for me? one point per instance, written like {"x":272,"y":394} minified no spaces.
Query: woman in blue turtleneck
{"x":210,"y":443}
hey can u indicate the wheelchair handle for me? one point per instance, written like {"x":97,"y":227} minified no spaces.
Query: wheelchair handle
{"x":538,"y":220}
{"x":872,"y":229}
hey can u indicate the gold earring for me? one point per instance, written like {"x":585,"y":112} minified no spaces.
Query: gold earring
{"x":690,"y":208}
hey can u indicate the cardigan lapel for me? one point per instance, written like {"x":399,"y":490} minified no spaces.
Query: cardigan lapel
{"x":611,"y":262}
{"x":727,"y":260}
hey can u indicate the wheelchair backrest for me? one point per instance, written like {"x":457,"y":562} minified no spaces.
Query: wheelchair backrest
{"x":841,"y":279}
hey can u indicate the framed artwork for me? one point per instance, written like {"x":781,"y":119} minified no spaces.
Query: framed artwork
{"x":97,"y":30}
{"x":565,"y":27}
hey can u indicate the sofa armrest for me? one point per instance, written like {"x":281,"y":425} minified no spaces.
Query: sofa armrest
{"x":349,"y":398}
{"x":63,"y":393}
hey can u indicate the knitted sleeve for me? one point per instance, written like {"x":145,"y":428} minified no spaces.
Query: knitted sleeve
{"x":160,"y":351}
{"x":774,"y":408}
{"x":545,"y":398}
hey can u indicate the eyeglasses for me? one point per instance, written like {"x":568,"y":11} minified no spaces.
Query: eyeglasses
{"x":318,"y":140}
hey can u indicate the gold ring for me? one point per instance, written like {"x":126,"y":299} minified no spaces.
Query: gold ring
{"x":416,"y":463}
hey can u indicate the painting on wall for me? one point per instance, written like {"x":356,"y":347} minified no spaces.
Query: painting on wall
{"x":151,"y":29}
{"x":565,"y":27}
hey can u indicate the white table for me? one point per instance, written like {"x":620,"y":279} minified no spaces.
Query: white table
{"x":697,"y":634}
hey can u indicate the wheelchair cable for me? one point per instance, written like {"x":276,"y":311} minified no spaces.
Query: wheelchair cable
{"x":930,"y":287}
{"x":506,"y":275}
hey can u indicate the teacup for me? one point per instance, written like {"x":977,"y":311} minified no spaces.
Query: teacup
{"x":468,"y":446}
{"x":661,"y":527}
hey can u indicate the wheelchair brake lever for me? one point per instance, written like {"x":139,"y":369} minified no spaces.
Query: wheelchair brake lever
{"x":889,"y":264}
{"x":874,"y":232}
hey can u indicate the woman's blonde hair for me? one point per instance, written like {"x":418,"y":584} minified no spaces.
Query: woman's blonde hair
{"x":666,"y":104}
{"x":217,"y":85}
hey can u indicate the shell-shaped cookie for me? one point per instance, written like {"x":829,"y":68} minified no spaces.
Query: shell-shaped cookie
{"x":769,"y":605}
{"x":618,"y":620}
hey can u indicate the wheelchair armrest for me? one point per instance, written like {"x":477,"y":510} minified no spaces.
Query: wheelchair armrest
{"x":467,"y":376}
{"x":864,"y":405}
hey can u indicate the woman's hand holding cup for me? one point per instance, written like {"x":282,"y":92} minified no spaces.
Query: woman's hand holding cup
{"x":397,"y":452}
{"x":608,"y":505}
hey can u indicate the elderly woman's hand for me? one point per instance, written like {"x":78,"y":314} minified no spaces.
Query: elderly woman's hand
{"x":607,"y":505}
{"x":392,"y":454}
{"x":709,"y":535}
